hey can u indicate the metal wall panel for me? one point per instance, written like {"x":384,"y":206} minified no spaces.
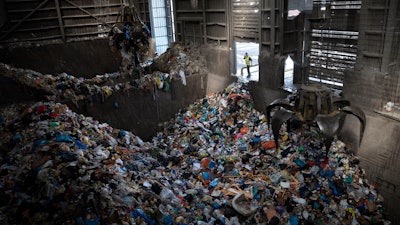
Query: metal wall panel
{"x":55,"y":20}
{"x":245,"y":19}
{"x":143,"y":9}
{"x":271,"y":26}
{"x":379,"y":45}
{"x":216,"y":21}
{"x":201,"y":21}
{"x":333,"y":41}
{"x":189,"y":20}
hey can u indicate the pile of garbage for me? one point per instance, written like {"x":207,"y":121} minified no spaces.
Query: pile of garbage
{"x":215,"y":162}
{"x":131,"y":37}
{"x":177,"y":62}
{"x":179,"y":56}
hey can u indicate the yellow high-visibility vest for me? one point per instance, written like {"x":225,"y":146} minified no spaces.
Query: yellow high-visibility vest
{"x":247,"y":59}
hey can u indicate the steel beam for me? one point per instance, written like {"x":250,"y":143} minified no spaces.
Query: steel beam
{"x":87,"y":12}
{"x":204,"y":22}
{"x":25,"y":18}
{"x":273,"y":30}
{"x":390,"y":26}
{"x":60,"y":22}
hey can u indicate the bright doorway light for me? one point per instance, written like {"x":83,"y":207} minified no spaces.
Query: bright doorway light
{"x":253,"y":50}
{"x":161,"y":23}
{"x":288,"y":74}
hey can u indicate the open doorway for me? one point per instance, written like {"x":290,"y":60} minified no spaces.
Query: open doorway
{"x":253,"y":51}
{"x":288,"y":74}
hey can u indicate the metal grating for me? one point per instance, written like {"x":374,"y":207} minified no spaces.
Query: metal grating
{"x":346,"y":5}
{"x":333,"y":48}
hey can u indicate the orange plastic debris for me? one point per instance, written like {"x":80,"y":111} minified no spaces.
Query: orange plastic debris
{"x":269,"y":144}
{"x":244,"y":130}
{"x":204,"y":162}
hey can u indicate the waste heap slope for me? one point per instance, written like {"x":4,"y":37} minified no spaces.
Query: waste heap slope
{"x":215,"y":162}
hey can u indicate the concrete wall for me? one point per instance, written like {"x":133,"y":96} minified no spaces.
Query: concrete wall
{"x":380,"y":157}
{"x":371,"y":85}
{"x":218,"y":64}
{"x":379,"y":151}
{"x":379,"y":154}
{"x":140,"y":111}
{"x":81,"y":59}
{"x":20,"y":93}
{"x":271,"y":70}
{"x":366,"y":88}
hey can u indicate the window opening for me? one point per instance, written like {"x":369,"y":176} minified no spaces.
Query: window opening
{"x":295,"y":7}
{"x":162,"y":24}
{"x":288,"y":73}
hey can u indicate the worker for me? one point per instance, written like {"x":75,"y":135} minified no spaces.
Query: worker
{"x":248,"y":61}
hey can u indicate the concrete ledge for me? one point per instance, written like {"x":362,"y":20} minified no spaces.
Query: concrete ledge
{"x":141,"y":111}
{"x":217,"y":83}
{"x":81,"y":59}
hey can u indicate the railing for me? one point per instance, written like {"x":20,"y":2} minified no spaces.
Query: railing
{"x":245,"y":67}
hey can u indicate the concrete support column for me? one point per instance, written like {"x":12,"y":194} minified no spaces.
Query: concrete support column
{"x":218,"y":65}
{"x":271,"y":70}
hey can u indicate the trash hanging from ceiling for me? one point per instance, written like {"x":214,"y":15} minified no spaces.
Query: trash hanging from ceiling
{"x":131,"y":37}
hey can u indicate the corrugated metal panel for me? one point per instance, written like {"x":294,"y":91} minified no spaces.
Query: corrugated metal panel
{"x":245,"y":18}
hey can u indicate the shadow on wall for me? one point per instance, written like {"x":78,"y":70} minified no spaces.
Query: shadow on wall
{"x":19,"y":93}
{"x":379,"y":155}
{"x":142,"y":111}
{"x":81,"y":59}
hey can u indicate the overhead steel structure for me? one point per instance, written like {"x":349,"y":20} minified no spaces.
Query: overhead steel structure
{"x":56,"y":20}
